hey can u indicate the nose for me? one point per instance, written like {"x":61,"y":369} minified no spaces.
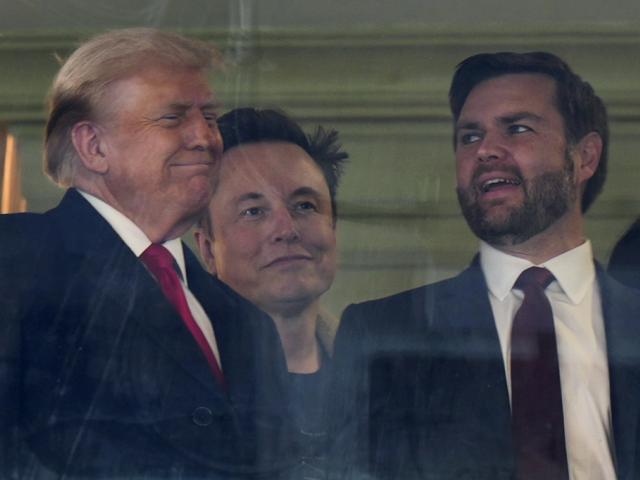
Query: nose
{"x":203,"y":134}
{"x":490,"y":148}
{"x":284,"y":227}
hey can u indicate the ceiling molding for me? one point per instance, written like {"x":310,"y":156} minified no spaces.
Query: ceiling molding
{"x":445,"y":34}
{"x":349,"y":75}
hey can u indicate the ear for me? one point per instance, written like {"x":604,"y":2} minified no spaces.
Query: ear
{"x":205,"y":246}
{"x":87,"y":140}
{"x":588,"y":151}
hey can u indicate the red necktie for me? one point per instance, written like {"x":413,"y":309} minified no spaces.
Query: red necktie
{"x":536,"y":398}
{"x":162,"y":265}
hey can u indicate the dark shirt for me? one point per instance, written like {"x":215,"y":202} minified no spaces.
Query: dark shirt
{"x":308,"y":403}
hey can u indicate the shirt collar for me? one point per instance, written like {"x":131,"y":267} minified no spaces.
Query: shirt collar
{"x":131,"y":234}
{"x":573,"y":270}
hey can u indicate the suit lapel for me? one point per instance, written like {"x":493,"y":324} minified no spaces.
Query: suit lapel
{"x":126,"y":289}
{"x":621,"y":307}
{"x":469,"y":395}
{"x":246,"y":337}
{"x":222,"y":310}
{"x":479,"y":340}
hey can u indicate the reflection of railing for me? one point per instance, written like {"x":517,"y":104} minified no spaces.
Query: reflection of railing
{"x":11,"y":199}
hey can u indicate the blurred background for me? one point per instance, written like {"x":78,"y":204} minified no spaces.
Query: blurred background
{"x":376,"y":70}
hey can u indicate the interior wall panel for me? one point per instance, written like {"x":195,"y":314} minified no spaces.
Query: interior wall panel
{"x":385,"y":90}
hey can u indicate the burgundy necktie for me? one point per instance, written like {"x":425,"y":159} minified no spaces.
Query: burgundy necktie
{"x":536,"y":398}
{"x":161,"y":264}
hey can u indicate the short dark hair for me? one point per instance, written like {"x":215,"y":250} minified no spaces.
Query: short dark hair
{"x":582,"y":110}
{"x":250,"y":125}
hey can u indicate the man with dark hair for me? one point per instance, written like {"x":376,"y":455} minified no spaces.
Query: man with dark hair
{"x":524,"y":365}
{"x":269,"y":234}
{"x":581,"y":109}
{"x":121,"y":357}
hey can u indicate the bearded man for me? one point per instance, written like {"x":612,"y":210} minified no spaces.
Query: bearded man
{"x":524,"y":365}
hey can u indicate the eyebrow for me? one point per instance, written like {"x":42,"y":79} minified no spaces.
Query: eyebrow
{"x":306,"y":191}
{"x":516,"y":117}
{"x":212,"y":105}
{"x":298,"y":192}
{"x":249,"y":196}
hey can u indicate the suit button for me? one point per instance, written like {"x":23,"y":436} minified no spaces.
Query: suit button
{"x":202,"y":416}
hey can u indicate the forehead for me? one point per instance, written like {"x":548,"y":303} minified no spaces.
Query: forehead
{"x":512,"y":92}
{"x":270,"y":166}
{"x":159,"y":86}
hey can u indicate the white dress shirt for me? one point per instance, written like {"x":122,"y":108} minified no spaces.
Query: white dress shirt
{"x":582,"y":351}
{"x":138,"y":242}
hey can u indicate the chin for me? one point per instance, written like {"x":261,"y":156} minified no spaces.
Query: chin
{"x":283,"y":300}
{"x":200,"y":187}
{"x":196,"y":201}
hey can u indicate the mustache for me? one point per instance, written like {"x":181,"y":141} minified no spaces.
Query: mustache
{"x":484,"y":169}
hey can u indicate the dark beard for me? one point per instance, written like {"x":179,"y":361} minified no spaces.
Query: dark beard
{"x":547,"y":197}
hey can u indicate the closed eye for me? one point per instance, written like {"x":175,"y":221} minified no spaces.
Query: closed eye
{"x":210,"y":117}
{"x":170,"y":119}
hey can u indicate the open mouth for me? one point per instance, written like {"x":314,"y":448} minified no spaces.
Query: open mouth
{"x":497,"y":183}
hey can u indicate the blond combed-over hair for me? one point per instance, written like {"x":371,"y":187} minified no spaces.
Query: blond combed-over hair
{"x":77,"y":89}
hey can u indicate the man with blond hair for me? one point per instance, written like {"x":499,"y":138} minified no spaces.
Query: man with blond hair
{"x":121,"y":357}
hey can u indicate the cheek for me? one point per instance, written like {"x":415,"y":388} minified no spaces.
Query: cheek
{"x":324,"y":240}
{"x":331,"y":263}
{"x":463,"y":170}
{"x":238,"y":246}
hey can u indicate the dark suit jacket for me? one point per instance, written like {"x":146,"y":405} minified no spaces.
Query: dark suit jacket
{"x":624,"y":264}
{"x":99,"y":376}
{"x":420,"y":389}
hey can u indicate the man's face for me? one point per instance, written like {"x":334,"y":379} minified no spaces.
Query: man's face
{"x":515,"y":171}
{"x":273,"y":235}
{"x":162,"y":144}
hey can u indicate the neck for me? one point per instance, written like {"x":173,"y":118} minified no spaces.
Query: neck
{"x":298,"y":336}
{"x":158,"y":224}
{"x":565,"y":234}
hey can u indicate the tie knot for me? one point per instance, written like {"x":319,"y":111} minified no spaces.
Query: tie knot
{"x":534,"y":276}
{"x":157,"y":256}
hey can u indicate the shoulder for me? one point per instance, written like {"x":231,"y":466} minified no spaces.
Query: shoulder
{"x":630,"y":239}
{"x":16,"y":224}
{"x":415,"y":303}
{"x":613,"y":290}
{"x":624,"y":263}
{"x":620,"y":307}
{"x":21,"y":234}
{"x":405,"y":318}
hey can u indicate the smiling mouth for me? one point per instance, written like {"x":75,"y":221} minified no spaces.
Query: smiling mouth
{"x":287,"y":259}
{"x":193,"y":164}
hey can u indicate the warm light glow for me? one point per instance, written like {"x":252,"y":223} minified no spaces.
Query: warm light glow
{"x":12,"y":200}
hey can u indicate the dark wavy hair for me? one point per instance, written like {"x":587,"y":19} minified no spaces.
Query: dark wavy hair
{"x":582,"y":110}
{"x":250,"y":125}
